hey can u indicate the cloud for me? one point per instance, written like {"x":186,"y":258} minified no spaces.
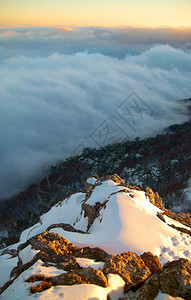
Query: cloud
{"x":115,"y":42}
{"x":61,"y":87}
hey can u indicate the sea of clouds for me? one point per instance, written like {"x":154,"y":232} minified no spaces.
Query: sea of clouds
{"x":62,"y":89}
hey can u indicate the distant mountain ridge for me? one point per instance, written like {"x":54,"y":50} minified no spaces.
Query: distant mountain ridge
{"x":162,"y":163}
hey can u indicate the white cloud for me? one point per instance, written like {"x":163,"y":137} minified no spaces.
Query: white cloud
{"x":53,"y":96}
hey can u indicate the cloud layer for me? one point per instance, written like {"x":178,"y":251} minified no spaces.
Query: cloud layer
{"x":61,"y":88}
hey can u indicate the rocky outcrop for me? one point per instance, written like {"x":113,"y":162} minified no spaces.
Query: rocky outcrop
{"x":152,"y":262}
{"x":56,"y":249}
{"x":129,"y":266}
{"x":148,"y":291}
{"x":143,"y":275}
{"x":154,"y":198}
{"x":183,"y":218}
{"x":87,"y":275}
{"x":181,"y":229}
{"x":64,"y":226}
{"x":83,"y":276}
{"x":116,"y":178}
{"x":93,"y":253}
{"x":175,"y":279}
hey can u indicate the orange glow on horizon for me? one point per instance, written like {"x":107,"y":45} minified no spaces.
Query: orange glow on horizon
{"x":105,"y":13}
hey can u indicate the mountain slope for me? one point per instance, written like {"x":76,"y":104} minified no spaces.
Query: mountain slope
{"x":115,"y":217}
{"x":162,"y":163}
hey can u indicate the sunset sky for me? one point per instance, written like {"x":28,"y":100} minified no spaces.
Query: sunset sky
{"x":109,"y":13}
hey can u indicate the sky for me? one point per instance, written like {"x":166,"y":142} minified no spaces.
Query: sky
{"x":75,"y":74}
{"x":109,"y":13}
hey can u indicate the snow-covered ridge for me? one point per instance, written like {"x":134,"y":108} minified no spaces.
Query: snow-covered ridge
{"x":110,"y":215}
{"x":126,"y":222}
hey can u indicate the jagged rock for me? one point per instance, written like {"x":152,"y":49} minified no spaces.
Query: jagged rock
{"x":6,"y":285}
{"x":11,"y":252}
{"x":93,"y":253}
{"x":21,"y":268}
{"x":116,"y":178}
{"x":181,"y":229}
{"x":44,"y":285}
{"x":87,"y":275}
{"x":22,"y":246}
{"x":152,"y":262}
{"x":34,"y":278}
{"x":54,"y":248}
{"x":175,"y":278}
{"x":129,"y":266}
{"x":183,"y":218}
{"x":83,"y":276}
{"x":154,"y":198}
{"x":64,"y":226}
{"x":89,"y":212}
{"x":148,"y":291}
{"x":160,"y":216}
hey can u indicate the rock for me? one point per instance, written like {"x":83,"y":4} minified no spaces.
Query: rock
{"x":87,"y":275}
{"x":184,"y":218}
{"x":83,"y":276}
{"x":11,"y":252}
{"x":56,"y":249}
{"x":93,"y":253}
{"x":160,"y":216}
{"x":154,"y":198}
{"x":116,"y":178}
{"x":92,"y":212}
{"x":181,"y":229}
{"x":64,"y":226}
{"x":16,"y":271}
{"x":44,"y":285}
{"x":152,"y":262}
{"x":175,"y":278}
{"x":129,"y":266}
{"x":34,"y":278}
{"x":148,"y":291}
{"x":53,"y":247}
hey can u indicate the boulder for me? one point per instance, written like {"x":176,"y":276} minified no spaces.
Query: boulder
{"x":175,"y":278}
{"x":87,"y":275}
{"x":53,"y":247}
{"x":93,"y":253}
{"x":148,"y":291}
{"x":154,"y":198}
{"x":83,"y":276}
{"x":152,"y":262}
{"x":56,"y":249}
{"x":129,"y":266}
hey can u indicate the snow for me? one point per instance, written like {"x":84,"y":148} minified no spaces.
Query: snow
{"x":91,"y":180}
{"x":178,"y":246}
{"x":87,"y":291}
{"x":7,"y":264}
{"x":128,"y":222}
{"x":86,"y":262}
{"x":27,"y":254}
{"x":101,"y":192}
{"x":20,"y":289}
{"x":162,"y":296}
{"x":60,"y":213}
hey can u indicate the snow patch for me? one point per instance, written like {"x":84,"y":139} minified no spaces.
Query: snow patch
{"x":86,"y":262}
